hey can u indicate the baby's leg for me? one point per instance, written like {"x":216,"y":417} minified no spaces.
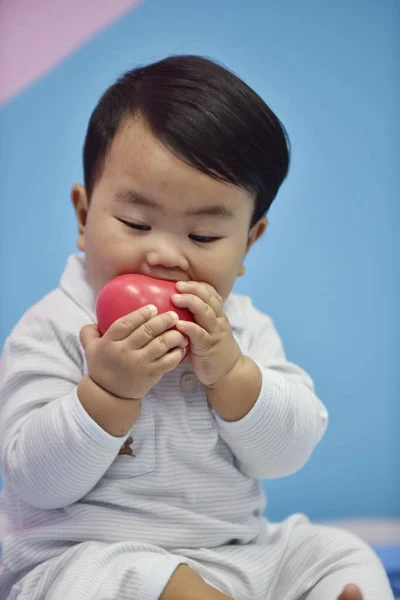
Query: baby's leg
{"x":186,"y":584}
{"x":351,"y":592}
{"x":326,"y":560}
{"x":99,"y":571}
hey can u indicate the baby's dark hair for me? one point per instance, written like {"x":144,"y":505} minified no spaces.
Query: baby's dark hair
{"x":205,"y":115}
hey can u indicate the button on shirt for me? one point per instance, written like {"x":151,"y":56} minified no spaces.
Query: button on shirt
{"x":188,"y":382}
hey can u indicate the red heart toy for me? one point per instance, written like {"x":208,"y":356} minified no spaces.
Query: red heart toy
{"x":126,"y":293}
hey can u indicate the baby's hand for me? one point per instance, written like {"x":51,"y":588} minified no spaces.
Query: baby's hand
{"x":134,"y":353}
{"x":214,"y":350}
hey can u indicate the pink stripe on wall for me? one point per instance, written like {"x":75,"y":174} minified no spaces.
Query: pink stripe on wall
{"x":36,"y":34}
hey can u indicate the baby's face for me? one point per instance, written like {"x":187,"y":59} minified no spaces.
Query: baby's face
{"x":151,"y":213}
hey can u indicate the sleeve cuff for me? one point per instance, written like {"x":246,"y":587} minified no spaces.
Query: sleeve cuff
{"x":91,"y":428}
{"x":247,"y":423}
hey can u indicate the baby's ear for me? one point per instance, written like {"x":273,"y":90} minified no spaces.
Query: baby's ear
{"x":256,"y":232}
{"x":80,"y":203}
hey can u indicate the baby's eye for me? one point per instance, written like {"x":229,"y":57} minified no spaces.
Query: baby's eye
{"x":204,"y":239}
{"x":135,"y":225}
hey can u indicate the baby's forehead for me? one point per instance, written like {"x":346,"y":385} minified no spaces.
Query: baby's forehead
{"x":144,"y":172}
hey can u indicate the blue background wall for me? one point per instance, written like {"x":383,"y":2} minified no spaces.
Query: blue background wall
{"x":327,"y":271}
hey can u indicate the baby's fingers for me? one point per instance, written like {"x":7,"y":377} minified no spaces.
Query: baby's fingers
{"x":123,"y":327}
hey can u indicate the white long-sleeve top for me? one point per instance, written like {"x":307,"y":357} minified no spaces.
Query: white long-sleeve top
{"x":193,"y":478}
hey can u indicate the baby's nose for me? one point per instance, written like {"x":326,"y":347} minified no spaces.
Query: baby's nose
{"x":167,"y":257}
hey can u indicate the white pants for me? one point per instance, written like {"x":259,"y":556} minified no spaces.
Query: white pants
{"x":298,"y":561}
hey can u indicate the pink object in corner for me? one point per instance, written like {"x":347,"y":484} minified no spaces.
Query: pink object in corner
{"x":36,"y":35}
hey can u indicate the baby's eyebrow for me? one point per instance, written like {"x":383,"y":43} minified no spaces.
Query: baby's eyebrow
{"x":215,"y":210}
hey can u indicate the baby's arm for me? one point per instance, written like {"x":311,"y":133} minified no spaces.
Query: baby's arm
{"x":61,"y":430}
{"x":52,"y":452}
{"x":285,"y":419}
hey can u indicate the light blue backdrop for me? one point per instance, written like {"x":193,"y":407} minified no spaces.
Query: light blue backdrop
{"x":327,"y":271}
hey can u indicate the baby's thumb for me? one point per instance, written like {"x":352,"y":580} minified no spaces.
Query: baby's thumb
{"x":88,"y":334}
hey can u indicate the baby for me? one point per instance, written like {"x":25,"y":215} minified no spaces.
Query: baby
{"x":129,"y":473}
